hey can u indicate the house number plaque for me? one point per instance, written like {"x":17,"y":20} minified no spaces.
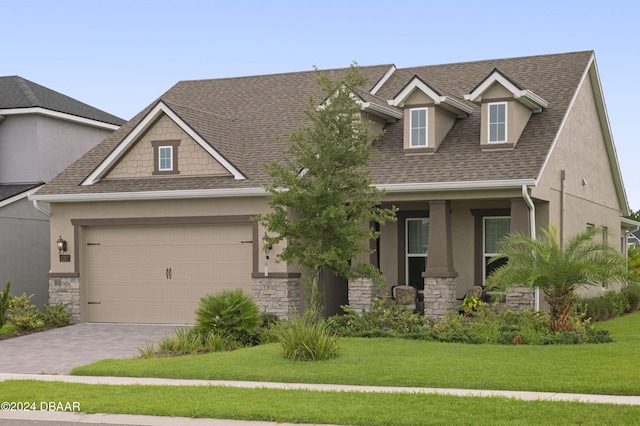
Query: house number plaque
{"x":65,"y":258}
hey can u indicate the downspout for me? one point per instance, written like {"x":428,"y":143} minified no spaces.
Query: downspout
{"x":563,"y":193}
{"x":532,"y":232}
{"x":40,"y":208}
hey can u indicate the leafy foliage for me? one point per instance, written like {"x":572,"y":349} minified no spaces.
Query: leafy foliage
{"x":230,"y":314}
{"x":307,"y":339}
{"x":55,"y":316}
{"x":322,"y":195}
{"x":557,"y":270}
{"x":23,"y":314}
{"x":485,"y":326}
{"x":384,"y":319}
{"x":4,"y":303}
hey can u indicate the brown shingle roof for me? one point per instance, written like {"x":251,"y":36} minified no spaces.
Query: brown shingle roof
{"x":244,"y":119}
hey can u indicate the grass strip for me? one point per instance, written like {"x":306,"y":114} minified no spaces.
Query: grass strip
{"x":297,"y":406}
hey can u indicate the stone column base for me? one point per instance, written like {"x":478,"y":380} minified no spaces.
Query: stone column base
{"x":519,"y":299}
{"x":66,"y":291}
{"x":439,"y":296}
{"x":278,"y":296}
{"x":362,"y":291}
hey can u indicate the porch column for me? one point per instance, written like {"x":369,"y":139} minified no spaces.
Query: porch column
{"x":439,"y":277}
{"x":519,"y":217}
{"x":519,"y":299}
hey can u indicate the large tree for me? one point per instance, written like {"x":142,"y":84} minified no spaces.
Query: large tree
{"x":557,"y":270}
{"x":322,"y":198}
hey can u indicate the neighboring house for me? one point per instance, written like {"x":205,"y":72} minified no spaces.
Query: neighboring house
{"x":634,"y":238}
{"x":160,"y":213}
{"x":41,"y":133}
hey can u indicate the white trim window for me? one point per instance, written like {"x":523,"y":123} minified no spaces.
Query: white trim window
{"x":497,"y":122}
{"x":165,"y":158}
{"x":418,"y":127}
{"x":417,"y":248}
{"x":494,"y":229}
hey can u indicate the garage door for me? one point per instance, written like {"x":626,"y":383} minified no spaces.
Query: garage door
{"x":157,"y":274}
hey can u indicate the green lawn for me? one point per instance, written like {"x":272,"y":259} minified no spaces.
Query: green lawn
{"x":608,"y":368}
{"x":346,"y":408}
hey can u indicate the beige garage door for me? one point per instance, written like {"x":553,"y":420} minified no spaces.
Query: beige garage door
{"x":157,"y":274}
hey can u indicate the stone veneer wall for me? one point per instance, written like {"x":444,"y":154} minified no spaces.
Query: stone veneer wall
{"x":519,"y":299}
{"x":362,"y":291}
{"x":279,"y":296}
{"x":439,"y":296}
{"x":66,"y":290}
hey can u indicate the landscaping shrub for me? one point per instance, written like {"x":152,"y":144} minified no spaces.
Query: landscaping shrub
{"x":384,"y":319}
{"x":8,"y":329}
{"x":231,"y":314}
{"x":480,"y":325}
{"x":632,"y":293}
{"x":23,"y":314}
{"x":307,"y":339}
{"x":187,"y":341}
{"x":619,"y":302}
{"x":56,"y":315}
{"x":4,"y":303}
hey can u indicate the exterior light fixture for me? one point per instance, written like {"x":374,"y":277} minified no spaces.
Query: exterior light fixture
{"x":267,"y":246}
{"x":62,"y":248}
{"x":267,"y":250}
{"x":62,"y":245}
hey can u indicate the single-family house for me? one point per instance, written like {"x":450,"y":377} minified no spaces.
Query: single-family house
{"x":41,"y":133}
{"x":160,"y":213}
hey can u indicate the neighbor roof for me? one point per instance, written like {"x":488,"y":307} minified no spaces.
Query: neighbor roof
{"x":245,"y":118}
{"x":17,"y":93}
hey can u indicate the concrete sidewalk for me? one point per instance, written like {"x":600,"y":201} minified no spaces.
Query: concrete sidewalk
{"x":53,"y":418}
{"x":523,"y":395}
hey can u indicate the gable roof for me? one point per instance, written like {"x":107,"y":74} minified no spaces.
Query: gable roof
{"x":16,"y":191}
{"x":244,"y":119}
{"x":19,"y":95}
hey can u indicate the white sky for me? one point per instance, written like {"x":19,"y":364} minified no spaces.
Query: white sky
{"x":120,"y":55}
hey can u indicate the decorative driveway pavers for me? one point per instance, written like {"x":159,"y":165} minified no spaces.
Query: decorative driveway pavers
{"x":59,"y":351}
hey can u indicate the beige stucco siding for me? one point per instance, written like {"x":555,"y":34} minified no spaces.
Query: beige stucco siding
{"x":193,"y":160}
{"x":590,"y":195}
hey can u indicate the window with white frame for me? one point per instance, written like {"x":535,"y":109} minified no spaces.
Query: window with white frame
{"x":495,"y":228}
{"x":418,"y":127}
{"x":498,"y":122}
{"x":165,"y":158}
{"x":417,"y":244}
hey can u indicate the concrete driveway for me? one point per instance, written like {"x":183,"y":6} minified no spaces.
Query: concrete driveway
{"x":60,"y":350}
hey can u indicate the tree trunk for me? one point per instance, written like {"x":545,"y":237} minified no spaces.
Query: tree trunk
{"x":561,"y":305}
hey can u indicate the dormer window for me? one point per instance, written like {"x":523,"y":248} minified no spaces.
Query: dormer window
{"x":505,"y":110}
{"x":165,"y":157}
{"x":498,"y":122}
{"x":418,"y":127}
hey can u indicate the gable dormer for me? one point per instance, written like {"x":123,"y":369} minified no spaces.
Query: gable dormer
{"x":428,"y":115}
{"x":505,"y":110}
{"x":162,"y":144}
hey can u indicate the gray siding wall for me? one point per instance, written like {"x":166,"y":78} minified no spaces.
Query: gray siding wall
{"x":24,"y":252}
{"x":35,"y":148}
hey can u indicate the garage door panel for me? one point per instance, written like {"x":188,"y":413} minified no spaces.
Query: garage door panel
{"x":128,"y":277}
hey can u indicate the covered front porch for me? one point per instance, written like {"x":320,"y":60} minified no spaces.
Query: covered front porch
{"x":442,"y":248}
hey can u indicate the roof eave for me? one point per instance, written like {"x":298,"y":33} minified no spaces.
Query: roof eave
{"x":59,"y":115}
{"x":150,"y":195}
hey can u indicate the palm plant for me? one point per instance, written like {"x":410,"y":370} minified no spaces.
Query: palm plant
{"x":557,"y":270}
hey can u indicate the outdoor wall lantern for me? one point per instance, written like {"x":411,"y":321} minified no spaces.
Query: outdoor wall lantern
{"x":62,"y":248}
{"x":267,"y":250}
{"x":62,"y":245}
